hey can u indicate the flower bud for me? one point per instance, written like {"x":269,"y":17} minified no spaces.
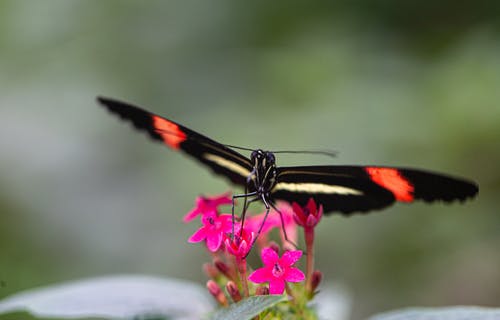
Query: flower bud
{"x":233,"y":291}
{"x":210,"y":270}
{"x":316,"y":278}
{"x":262,"y":291}
{"x":309,"y":215}
{"x":217,"y":293}
{"x":223,"y":268}
{"x":273,"y":245}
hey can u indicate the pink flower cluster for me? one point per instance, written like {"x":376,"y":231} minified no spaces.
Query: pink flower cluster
{"x":230,"y":242}
{"x":217,"y":228}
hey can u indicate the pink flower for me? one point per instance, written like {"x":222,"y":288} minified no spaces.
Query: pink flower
{"x":207,"y":206}
{"x":309,"y":215}
{"x":278,"y":270}
{"x":213,"y":231}
{"x":274,"y":221}
{"x":239,"y":246}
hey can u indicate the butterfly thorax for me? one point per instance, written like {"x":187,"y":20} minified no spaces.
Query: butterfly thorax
{"x":263,"y":175}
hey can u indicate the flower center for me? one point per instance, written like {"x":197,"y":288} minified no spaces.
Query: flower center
{"x":215,"y":224}
{"x":211,"y":220}
{"x":278,"y":270}
{"x":237,"y":240}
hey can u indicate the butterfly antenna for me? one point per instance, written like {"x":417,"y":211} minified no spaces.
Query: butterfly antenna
{"x":329,"y":153}
{"x":174,"y":133}
{"x":239,"y":148}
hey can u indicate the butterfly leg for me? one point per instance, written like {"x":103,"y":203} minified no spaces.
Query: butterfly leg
{"x":243,"y":212}
{"x":268,"y":208}
{"x":243,"y":215}
{"x":243,"y":195}
{"x":282,"y":219}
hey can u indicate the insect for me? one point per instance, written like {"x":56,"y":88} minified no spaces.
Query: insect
{"x":339,"y":188}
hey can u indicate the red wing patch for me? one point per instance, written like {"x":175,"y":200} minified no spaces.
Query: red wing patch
{"x":392,"y":180}
{"x":170,"y":132}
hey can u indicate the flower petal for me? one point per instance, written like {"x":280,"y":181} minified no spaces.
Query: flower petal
{"x":239,"y":246}
{"x":226,"y":221}
{"x":276,"y":286}
{"x":291,"y":236}
{"x":299,"y":215}
{"x":198,"y":236}
{"x":269,"y":256}
{"x":311,"y":221}
{"x":254,"y":223}
{"x":290,"y":257}
{"x":214,"y":241}
{"x":221,"y":200}
{"x":260,"y":275}
{"x":311,"y":205}
{"x":320,"y":212}
{"x":191,"y":215}
{"x":294,"y":275}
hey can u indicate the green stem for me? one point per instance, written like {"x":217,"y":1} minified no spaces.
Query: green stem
{"x":309,"y":238}
{"x":242,"y":268}
{"x":291,"y":293}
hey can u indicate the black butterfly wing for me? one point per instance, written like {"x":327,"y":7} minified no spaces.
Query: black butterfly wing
{"x":336,"y":189}
{"x":349,"y":189}
{"x":345,"y":189}
{"x":221,"y":159}
{"x":423,"y":185}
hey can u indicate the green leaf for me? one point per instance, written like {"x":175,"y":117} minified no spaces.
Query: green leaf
{"x":114,"y":297}
{"x":248,"y":308}
{"x":450,"y":313}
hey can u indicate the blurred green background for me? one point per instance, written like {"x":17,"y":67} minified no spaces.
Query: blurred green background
{"x":382,"y":82}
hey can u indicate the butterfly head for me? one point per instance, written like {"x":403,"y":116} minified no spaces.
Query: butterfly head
{"x":262,"y":159}
{"x":264,"y":170}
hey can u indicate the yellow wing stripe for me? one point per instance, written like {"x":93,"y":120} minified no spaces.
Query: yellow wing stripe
{"x":228,"y":164}
{"x":311,"y":187}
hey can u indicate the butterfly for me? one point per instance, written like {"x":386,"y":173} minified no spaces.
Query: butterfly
{"x":343,"y":189}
